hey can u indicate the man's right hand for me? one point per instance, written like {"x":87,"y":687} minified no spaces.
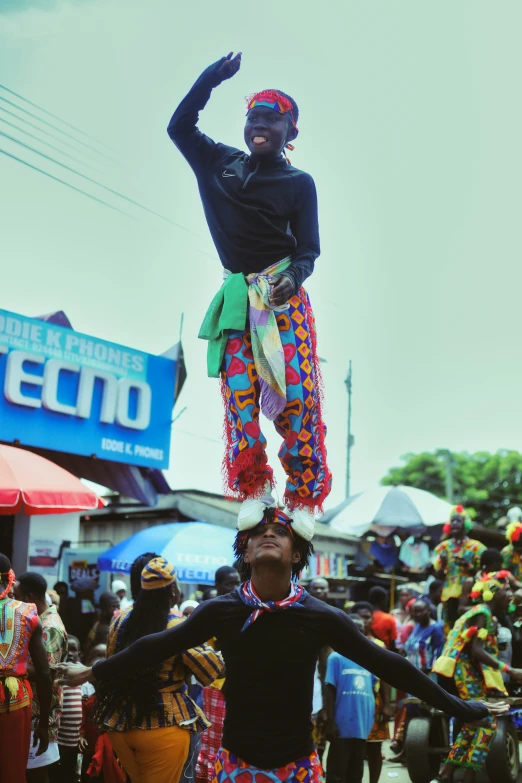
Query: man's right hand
{"x":230,"y":67}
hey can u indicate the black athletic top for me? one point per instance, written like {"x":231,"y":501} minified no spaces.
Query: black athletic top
{"x":270,"y":671}
{"x":257,"y":213}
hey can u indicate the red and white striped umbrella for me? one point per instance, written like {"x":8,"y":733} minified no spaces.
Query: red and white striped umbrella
{"x":34,"y":485}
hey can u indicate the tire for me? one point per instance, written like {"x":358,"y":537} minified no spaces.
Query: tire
{"x":422,"y":765}
{"x":503,"y":761}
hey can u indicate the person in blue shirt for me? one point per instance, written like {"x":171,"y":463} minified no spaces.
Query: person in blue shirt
{"x":350,"y":707}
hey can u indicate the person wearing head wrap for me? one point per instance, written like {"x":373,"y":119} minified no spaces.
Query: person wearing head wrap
{"x":512,"y":552}
{"x":455,"y":559}
{"x":21,"y":636}
{"x":119,"y":588}
{"x":149,"y":715}
{"x":270,"y":631}
{"x":470,"y":659}
{"x":260,"y":327}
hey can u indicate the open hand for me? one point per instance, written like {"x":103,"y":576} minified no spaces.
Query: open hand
{"x":230,"y":67}
{"x":497,"y":708}
{"x":281,"y":290}
{"x":83,"y":745}
{"x":73,"y":673}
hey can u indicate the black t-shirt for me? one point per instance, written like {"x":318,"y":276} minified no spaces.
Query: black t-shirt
{"x":270,"y":671}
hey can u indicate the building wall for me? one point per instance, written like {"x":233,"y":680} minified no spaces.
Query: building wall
{"x":39,"y":537}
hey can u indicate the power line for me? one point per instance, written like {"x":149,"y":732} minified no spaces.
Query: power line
{"x":50,"y":114}
{"x":41,"y":130}
{"x":64,"y":182}
{"x":50,"y":125}
{"x":90,"y":179}
{"x":47,"y":144}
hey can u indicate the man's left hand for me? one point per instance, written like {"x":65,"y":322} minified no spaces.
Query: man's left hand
{"x":281,"y":290}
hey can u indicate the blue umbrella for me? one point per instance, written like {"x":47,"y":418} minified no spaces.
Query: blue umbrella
{"x":196,"y":550}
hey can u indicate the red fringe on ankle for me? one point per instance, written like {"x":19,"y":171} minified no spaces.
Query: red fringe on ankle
{"x":312,"y":504}
{"x":247,"y":477}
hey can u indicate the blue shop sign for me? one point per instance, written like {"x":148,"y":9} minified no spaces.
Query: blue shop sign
{"x":70,"y":392}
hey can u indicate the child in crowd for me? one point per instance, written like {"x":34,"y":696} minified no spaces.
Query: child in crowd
{"x":70,"y":722}
{"x":350,"y":707}
{"x":99,"y":761}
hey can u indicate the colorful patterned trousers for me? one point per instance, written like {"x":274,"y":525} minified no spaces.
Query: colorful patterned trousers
{"x":231,"y":769}
{"x":471,"y":747}
{"x":302,"y":453}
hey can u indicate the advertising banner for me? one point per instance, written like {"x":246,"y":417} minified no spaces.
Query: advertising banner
{"x":67,"y":391}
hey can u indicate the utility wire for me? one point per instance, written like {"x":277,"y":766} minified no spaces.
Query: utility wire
{"x":50,"y":125}
{"x":90,"y":179}
{"x":64,"y":182}
{"x":54,"y":116}
{"x":47,"y":144}
{"x":41,"y":130}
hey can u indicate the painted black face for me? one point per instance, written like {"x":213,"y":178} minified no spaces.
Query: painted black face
{"x":267,"y":131}
{"x":457,"y":526}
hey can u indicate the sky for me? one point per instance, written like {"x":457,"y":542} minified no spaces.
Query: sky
{"x":410,"y":124}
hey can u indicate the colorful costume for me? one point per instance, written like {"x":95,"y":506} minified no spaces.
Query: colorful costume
{"x":262,"y":215}
{"x":511,"y":553}
{"x":285,"y":386}
{"x":17,"y":624}
{"x":451,"y":551}
{"x":231,"y":769}
{"x":471,"y":747}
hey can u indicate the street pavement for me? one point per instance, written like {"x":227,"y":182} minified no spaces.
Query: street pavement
{"x":397,"y":773}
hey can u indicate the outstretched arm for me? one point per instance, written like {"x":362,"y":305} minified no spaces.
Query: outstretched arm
{"x":345,"y":638}
{"x":151,"y":650}
{"x":194,"y":145}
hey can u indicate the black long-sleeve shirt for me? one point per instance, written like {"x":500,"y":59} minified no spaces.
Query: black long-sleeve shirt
{"x":270,"y":671}
{"x":258,"y":213}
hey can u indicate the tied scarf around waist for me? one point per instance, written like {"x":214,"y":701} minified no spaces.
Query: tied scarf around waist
{"x":249,"y":597}
{"x":228,"y":313}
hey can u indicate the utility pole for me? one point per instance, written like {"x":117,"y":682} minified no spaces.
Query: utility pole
{"x":349,"y":438}
{"x":448,"y":458}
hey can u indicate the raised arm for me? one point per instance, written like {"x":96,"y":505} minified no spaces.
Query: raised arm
{"x":192,"y":143}
{"x":345,"y":638}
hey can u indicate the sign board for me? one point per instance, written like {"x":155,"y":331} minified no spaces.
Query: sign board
{"x":43,"y":555}
{"x":66,"y":391}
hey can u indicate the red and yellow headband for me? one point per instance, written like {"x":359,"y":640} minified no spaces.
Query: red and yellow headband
{"x":273,"y":100}
{"x":488,"y":584}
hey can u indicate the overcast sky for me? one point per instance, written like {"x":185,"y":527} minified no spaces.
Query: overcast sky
{"x":410,"y":124}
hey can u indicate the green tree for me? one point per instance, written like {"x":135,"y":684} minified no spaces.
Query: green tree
{"x":486,"y":484}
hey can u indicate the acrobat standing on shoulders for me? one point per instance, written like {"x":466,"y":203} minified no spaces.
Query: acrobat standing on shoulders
{"x":262,"y":215}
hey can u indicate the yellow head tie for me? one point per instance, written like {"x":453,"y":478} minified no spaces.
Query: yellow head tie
{"x":157,"y":573}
